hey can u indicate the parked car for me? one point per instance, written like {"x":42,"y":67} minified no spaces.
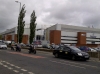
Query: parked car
{"x":37,"y":44}
{"x":3,"y":46}
{"x":70,"y":52}
{"x":22,"y":45}
{"x":28,"y":45}
{"x":93,"y":50}
{"x":1,"y":41}
{"x":97,"y":49}
{"x":84,"y":48}
{"x":7,"y":42}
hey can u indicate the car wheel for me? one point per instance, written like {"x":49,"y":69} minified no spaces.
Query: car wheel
{"x":56,"y":55}
{"x":73,"y":57}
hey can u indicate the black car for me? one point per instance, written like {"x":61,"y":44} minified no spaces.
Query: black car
{"x":70,"y":52}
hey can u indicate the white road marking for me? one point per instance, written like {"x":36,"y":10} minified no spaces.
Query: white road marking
{"x":79,"y":64}
{"x":23,"y":70}
{"x":5,"y":65}
{"x":1,"y":63}
{"x":10,"y":68}
{"x":17,"y":67}
{"x":7,"y":62}
{"x":68,"y":64}
{"x":16,"y":71}
{"x":12,"y":65}
{"x":30,"y":72}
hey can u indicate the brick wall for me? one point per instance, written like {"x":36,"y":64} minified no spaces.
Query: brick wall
{"x":55,"y":36}
{"x":24,"y":40}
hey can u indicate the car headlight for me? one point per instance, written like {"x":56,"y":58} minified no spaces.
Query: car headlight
{"x":80,"y":54}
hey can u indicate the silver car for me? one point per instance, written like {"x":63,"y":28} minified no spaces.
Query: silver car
{"x":3,"y":45}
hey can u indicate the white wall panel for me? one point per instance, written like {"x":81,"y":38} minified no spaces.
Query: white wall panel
{"x":64,"y":33}
{"x":91,"y":43}
{"x":48,"y":31}
{"x":69,"y":38}
{"x":26,"y":31}
{"x":97,"y":42}
{"x":58,"y":27}
{"x":67,"y":44}
{"x":88,"y":43}
{"x":93,"y":39}
{"x":95,"y":34}
{"x":63,"y":41}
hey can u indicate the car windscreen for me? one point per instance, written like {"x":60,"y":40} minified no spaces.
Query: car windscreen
{"x":75,"y":48}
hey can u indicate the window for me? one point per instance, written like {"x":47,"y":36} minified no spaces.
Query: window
{"x":66,"y":49}
{"x":38,"y":37}
{"x":60,"y":48}
{"x":93,"y":42}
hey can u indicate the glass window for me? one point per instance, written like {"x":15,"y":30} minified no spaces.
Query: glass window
{"x":66,"y":49}
{"x":74,"y":48}
{"x":60,"y":48}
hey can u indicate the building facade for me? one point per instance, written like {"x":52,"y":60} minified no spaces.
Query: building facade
{"x":68,"y":34}
{"x":11,"y":35}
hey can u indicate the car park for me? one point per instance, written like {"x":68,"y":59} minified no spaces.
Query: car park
{"x":70,"y":52}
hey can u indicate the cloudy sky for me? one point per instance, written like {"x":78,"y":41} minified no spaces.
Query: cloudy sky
{"x":49,"y":12}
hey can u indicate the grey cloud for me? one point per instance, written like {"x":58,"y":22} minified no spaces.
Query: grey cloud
{"x":74,"y":12}
{"x":8,"y":14}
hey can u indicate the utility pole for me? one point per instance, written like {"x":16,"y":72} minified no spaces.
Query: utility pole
{"x":19,"y":19}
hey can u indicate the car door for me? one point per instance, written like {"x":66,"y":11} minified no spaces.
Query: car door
{"x":67,"y":52}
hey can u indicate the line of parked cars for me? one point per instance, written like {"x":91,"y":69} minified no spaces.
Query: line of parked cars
{"x":2,"y":45}
{"x":85,"y":48}
{"x":82,"y":48}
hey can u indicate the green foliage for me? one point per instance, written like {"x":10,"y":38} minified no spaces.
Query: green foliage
{"x":21,"y":24}
{"x":32,"y":26}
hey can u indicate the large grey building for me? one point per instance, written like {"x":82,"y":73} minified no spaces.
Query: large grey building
{"x":68,"y":34}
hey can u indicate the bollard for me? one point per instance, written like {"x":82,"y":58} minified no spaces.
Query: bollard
{"x":99,"y":55}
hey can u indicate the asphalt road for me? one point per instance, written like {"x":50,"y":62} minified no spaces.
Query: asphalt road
{"x":12,"y":62}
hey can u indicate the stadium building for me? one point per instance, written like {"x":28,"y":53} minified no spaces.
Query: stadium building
{"x":73,"y":35}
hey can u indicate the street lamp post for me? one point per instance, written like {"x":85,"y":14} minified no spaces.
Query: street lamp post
{"x":19,"y":18}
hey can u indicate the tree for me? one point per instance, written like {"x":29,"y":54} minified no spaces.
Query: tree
{"x":32,"y":26}
{"x":21,"y":24}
